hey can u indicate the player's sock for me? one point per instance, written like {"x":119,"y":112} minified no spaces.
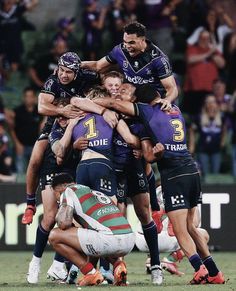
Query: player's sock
{"x":195,"y":261}
{"x":150,"y":234}
{"x":105,"y":264}
{"x":30,"y":199}
{"x":211,"y":266}
{"x":41,"y":241}
{"x":88,"y":269}
{"x":152,"y":190}
{"x":59,"y":258}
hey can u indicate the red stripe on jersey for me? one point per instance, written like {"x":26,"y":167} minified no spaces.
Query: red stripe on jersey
{"x":109,"y":216}
{"x":85,"y":197}
{"x":93,"y":208}
{"x":123,"y":226}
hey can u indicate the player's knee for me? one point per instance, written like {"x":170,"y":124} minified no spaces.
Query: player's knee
{"x":53,"y":237}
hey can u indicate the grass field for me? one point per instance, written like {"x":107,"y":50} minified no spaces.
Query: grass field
{"x":14,"y":266}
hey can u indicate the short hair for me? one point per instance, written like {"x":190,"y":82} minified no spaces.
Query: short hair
{"x":61,"y":101}
{"x":113,"y":74}
{"x":135,"y":28}
{"x":146,"y":93}
{"x":97,"y":92}
{"x":62,"y":178}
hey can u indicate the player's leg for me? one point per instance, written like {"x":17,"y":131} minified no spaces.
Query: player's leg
{"x":32,"y":179}
{"x":43,"y":230}
{"x":200,"y":240}
{"x":67,"y":242}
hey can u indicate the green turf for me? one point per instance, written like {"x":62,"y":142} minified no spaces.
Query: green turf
{"x":14,"y":265}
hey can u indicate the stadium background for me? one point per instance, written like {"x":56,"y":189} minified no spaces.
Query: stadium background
{"x":45,"y":18}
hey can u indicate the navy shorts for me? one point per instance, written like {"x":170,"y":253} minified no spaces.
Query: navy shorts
{"x":98,"y":174}
{"x":181,"y":187}
{"x":132,"y":181}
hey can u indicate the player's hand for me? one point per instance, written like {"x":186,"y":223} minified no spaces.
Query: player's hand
{"x":137,"y":154}
{"x":81,"y":144}
{"x":70,"y":111}
{"x":158,"y":150}
{"x":110,"y":117}
{"x":74,"y":121}
{"x":165,"y":104}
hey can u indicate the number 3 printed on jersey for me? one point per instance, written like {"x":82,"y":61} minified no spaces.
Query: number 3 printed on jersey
{"x":178,"y":135}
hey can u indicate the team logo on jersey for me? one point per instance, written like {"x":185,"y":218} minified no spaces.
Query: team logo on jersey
{"x":177,"y":200}
{"x":63,"y":95}
{"x":153,"y":53}
{"x":125,"y":64}
{"x":101,"y":198}
{"x":48,"y":85}
{"x":136,"y":65}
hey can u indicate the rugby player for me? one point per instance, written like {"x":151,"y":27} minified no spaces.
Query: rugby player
{"x":105,"y":232}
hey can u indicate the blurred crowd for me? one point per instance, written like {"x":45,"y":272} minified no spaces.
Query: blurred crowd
{"x":199,"y":37}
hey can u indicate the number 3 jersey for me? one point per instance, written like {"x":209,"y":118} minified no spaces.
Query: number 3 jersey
{"x":165,"y":127}
{"x":94,"y":210}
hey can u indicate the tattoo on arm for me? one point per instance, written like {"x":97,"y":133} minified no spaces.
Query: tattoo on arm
{"x":64,"y":216}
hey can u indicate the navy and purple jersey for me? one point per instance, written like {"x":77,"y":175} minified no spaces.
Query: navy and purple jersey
{"x":167,"y":128}
{"x":123,"y":153}
{"x":49,"y":164}
{"x":97,"y":131}
{"x":85,"y":79}
{"x":150,"y":66}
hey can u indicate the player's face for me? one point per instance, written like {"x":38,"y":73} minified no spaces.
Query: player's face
{"x":112,"y":85}
{"x":134,"y":44}
{"x":63,"y":121}
{"x":126,"y":92}
{"x":65,"y":75}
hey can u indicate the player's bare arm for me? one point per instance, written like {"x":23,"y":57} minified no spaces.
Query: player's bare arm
{"x":64,"y":217}
{"x":97,"y":66}
{"x":45,"y":107}
{"x":171,"y":92}
{"x":131,"y":139}
{"x":90,"y":106}
{"x":152,"y":154}
{"x":125,"y":107}
{"x":60,"y":147}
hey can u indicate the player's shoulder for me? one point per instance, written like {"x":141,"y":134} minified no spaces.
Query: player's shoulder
{"x":155,"y":52}
{"x":50,"y":83}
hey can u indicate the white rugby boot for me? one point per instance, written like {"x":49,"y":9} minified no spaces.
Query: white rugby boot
{"x":34,"y":270}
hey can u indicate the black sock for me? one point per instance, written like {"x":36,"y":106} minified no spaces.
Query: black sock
{"x":59,"y":258}
{"x":195,"y":261}
{"x":105,"y":264}
{"x":211,"y":266}
{"x":152,"y":192}
{"x":150,"y":234}
{"x":41,"y":241}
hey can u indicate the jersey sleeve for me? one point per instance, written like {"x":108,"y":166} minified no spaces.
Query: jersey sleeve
{"x":67,"y":198}
{"x":55,"y":134}
{"x":111,"y":57}
{"x":162,"y":67}
{"x":50,"y":86}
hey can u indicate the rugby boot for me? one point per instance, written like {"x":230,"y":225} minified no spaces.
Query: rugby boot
{"x":120,"y":274}
{"x":218,"y":279}
{"x":57,"y":273}
{"x":200,"y":276}
{"x":170,"y":267}
{"x":33,"y":272}
{"x":90,"y":279}
{"x":157,"y":276}
{"x":28,"y":215}
{"x":157,"y":217}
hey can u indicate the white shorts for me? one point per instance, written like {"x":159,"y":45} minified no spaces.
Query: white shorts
{"x":98,"y":244}
{"x":166,"y":243}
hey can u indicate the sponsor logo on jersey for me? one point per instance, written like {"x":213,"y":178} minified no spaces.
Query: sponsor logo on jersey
{"x":138,"y":79}
{"x":176,"y":147}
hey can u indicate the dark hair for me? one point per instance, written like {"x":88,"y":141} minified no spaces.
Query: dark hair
{"x":145,"y":93}
{"x":112,"y":74}
{"x":62,"y":178}
{"x":28,"y":88}
{"x":61,"y":101}
{"x":135,"y":28}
